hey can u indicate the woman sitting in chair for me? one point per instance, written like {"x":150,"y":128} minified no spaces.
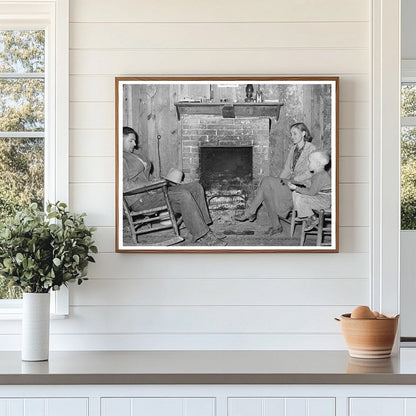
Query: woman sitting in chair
{"x":273,"y":192}
{"x":186,"y":199}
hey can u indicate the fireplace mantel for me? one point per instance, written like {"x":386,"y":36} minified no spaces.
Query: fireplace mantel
{"x":229,"y":110}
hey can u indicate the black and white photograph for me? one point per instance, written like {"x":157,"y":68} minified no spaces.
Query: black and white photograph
{"x":237,"y":164}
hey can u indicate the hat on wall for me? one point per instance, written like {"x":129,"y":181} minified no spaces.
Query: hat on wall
{"x":174,"y":175}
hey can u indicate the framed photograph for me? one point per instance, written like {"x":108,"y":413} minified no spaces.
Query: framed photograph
{"x":235,"y":164}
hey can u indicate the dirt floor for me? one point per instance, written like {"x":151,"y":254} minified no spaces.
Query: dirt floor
{"x":236,"y":233}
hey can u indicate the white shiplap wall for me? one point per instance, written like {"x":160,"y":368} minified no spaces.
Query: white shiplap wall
{"x":181,"y":301}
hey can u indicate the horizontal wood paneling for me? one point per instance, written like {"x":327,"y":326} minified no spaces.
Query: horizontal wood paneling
{"x":105,"y":239}
{"x":354,"y":170}
{"x":146,"y":342}
{"x":222,"y":291}
{"x":92,"y":115}
{"x":92,"y":169}
{"x":96,"y":199}
{"x":93,"y":143}
{"x":92,"y":88}
{"x":252,"y":266}
{"x":354,"y":200}
{"x":253,"y":301}
{"x":354,"y":115}
{"x":352,"y":239}
{"x":254,"y":61}
{"x":101,"y":87}
{"x":354,"y":142}
{"x":200,"y":319}
{"x":218,"y":11}
{"x":195,"y":320}
{"x":221,"y":35}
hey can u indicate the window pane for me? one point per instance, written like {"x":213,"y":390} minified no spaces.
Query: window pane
{"x":21,"y":182}
{"x":22,"y":51}
{"x":21,"y":173}
{"x":21,"y":109}
{"x":22,"y":104}
{"x":408,"y":99}
{"x":408,"y":178}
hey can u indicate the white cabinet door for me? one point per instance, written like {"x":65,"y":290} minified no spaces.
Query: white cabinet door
{"x":160,"y":406}
{"x":44,"y":407}
{"x":270,"y":406}
{"x":382,"y":406}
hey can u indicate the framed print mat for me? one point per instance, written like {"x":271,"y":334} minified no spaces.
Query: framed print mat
{"x":236,"y":164}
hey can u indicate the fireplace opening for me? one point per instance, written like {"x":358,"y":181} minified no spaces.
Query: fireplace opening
{"x":226,"y":173}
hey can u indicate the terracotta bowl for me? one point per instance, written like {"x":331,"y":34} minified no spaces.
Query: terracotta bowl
{"x":369,"y":338}
{"x":369,"y":366}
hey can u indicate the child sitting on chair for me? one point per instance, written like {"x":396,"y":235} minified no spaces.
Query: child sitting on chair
{"x":318,"y":195}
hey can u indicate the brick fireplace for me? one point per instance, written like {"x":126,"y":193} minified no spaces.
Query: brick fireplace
{"x":218,"y":152}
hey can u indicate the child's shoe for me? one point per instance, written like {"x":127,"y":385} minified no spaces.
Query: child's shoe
{"x":311,"y":222}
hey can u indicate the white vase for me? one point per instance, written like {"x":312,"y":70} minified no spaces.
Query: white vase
{"x":35,"y":326}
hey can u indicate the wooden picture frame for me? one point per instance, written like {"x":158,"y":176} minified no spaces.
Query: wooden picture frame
{"x":191,"y":150}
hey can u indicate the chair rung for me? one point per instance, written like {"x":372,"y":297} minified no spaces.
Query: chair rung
{"x":150,"y":230}
{"x":150,"y":220}
{"x":149,"y":211}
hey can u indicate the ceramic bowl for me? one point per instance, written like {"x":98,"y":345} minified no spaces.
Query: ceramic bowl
{"x":369,"y":338}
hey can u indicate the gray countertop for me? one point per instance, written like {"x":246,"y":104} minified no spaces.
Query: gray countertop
{"x":207,"y":367}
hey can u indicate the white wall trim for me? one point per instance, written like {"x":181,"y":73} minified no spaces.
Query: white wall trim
{"x":60,"y":157}
{"x":385,"y":100}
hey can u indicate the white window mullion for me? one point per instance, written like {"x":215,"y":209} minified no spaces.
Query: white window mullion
{"x":22,"y":134}
{"x":408,"y":121}
{"x":18,"y":75}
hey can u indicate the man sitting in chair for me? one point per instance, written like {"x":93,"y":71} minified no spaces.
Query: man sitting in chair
{"x":186,"y":199}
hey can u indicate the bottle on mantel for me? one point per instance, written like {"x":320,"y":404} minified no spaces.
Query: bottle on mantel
{"x":259,"y":95}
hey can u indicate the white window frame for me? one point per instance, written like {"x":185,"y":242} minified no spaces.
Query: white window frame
{"x":53,"y":17}
{"x":385,"y":150}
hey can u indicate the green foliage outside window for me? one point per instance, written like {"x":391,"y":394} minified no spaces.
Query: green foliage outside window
{"x":408,"y":179}
{"x":408,"y":104}
{"x":21,"y":110}
{"x":408,"y":160}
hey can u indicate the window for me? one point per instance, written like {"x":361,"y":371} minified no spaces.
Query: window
{"x":33,"y":111}
{"x":408,"y":155}
{"x":22,"y":124}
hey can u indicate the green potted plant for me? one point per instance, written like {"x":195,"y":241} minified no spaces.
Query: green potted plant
{"x":40,"y":252}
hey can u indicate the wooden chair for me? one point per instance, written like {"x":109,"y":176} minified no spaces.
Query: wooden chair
{"x":321,"y":230}
{"x":152,"y":220}
{"x":291,"y":219}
